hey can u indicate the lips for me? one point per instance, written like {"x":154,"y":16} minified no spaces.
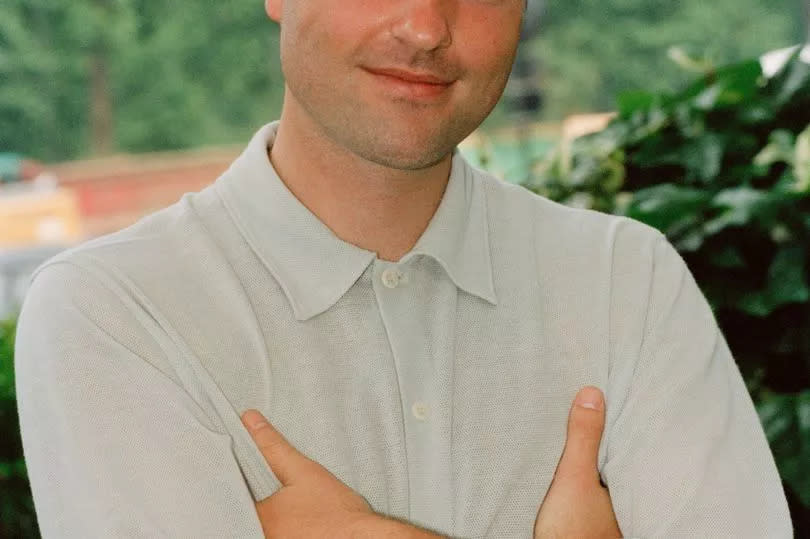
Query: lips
{"x":411,"y":84}
{"x":411,"y":76}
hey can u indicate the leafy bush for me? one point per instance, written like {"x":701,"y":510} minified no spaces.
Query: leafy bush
{"x":723,"y":169}
{"x":17,"y":518}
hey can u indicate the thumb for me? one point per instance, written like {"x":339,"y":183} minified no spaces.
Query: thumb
{"x":286,"y":461}
{"x":585,"y":424}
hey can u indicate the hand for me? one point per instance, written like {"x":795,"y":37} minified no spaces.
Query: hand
{"x":576,"y":504}
{"x":311,"y":502}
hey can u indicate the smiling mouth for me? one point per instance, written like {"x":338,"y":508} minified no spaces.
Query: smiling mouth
{"x":411,"y":84}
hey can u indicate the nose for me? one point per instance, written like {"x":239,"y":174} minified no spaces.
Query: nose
{"x":423,"y":24}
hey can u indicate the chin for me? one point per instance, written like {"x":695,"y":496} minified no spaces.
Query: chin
{"x":407,"y":158}
{"x":410,"y":151}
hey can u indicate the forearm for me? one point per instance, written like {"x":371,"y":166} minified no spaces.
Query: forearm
{"x":377,"y":526}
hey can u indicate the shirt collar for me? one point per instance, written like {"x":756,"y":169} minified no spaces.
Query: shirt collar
{"x":313,"y":266}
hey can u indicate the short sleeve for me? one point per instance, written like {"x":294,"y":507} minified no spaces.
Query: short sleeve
{"x":687,"y":455}
{"x":114,"y":447}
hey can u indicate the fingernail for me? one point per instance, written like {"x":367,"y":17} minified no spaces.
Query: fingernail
{"x":589,"y":397}
{"x":254,"y":419}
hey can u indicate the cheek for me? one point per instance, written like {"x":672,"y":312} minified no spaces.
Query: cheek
{"x":332,"y":30}
{"x":487,"y":53}
{"x":306,"y":39}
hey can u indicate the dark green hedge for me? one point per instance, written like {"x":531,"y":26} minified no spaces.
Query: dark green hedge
{"x":723,"y":169}
{"x":17,"y":518}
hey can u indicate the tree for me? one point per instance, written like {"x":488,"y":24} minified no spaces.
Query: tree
{"x":591,"y":50}
{"x":93,"y":76}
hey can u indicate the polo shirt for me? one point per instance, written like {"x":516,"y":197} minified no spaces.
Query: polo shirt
{"x":438,"y":386}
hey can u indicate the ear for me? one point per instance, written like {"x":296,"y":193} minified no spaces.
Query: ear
{"x":273,"y":9}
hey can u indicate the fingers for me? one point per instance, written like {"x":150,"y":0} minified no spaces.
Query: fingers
{"x":586,"y":422}
{"x":286,"y":462}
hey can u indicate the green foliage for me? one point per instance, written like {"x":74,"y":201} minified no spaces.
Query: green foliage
{"x":17,"y":517}
{"x":42,"y":91}
{"x":723,"y":169}
{"x":7,"y":331}
{"x":591,"y":51}
{"x":178,"y":75}
{"x":200,"y":73}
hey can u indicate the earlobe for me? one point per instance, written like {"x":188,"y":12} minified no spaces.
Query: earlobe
{"x":273,"y":9}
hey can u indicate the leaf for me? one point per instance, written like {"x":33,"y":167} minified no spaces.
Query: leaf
{"x":756,"y":113}
{"x":790,"y":80}
{"x":691,"y":241}
{"x":786,"y":283}
{"x":740,"y":203}
{"x":787,"y":276}
{"x":740,"y":82}
{"x":690,"y":122}
{"x":707,"y":99}
{"x":778,"y":150}
{"x":775,"y":413}
{"x":801,"y":161}
{"x":785,"y":419}
{"x":704,"y":157}
{"x":796,"y":471}
{"x":803,"y":414}
{"x":743,"y":205}
{"x":733,"y":84}
{"x":687,"y":62}
{"x":663,"y":206}
{"x":632,"y":101}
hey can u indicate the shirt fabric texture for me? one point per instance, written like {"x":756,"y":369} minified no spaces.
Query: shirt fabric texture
{"x":438,"y":387}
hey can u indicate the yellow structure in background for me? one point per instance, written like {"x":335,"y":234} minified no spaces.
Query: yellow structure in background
{"x":38,"y":217}
{"x":578,"y":125}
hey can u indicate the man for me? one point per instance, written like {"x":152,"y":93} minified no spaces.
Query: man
{"x":413,"y":329}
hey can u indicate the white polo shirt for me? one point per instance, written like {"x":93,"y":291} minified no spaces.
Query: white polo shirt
{"x":438,"y":387}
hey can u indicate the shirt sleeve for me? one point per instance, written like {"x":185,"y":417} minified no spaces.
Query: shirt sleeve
{"x":113,"y":445}
{"x":687,"y":455}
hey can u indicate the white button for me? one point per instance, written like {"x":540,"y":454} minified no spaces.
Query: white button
{"x":420,"y":410}
{"x":392,"y":277}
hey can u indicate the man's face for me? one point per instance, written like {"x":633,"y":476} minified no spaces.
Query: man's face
{"x":397,"y":82}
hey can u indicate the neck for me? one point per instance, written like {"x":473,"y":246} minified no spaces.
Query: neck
{"x":371,"y":206}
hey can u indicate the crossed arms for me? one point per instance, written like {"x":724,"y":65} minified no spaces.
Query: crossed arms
{"x":115,"y":448}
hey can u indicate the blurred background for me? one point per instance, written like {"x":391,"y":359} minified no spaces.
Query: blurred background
{"x":691,"y":116}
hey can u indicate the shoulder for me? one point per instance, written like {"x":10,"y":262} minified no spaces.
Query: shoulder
{"x":165,"y":242}
{"x":106,"y":283}
{"x":98,"y":295}
{"x":555,"y":227}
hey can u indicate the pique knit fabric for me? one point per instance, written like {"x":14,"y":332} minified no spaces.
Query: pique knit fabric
{"x":438,"y":386}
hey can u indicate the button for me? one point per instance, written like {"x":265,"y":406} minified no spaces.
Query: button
{"x":392,"y":277}
{"x":420,"y":410}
